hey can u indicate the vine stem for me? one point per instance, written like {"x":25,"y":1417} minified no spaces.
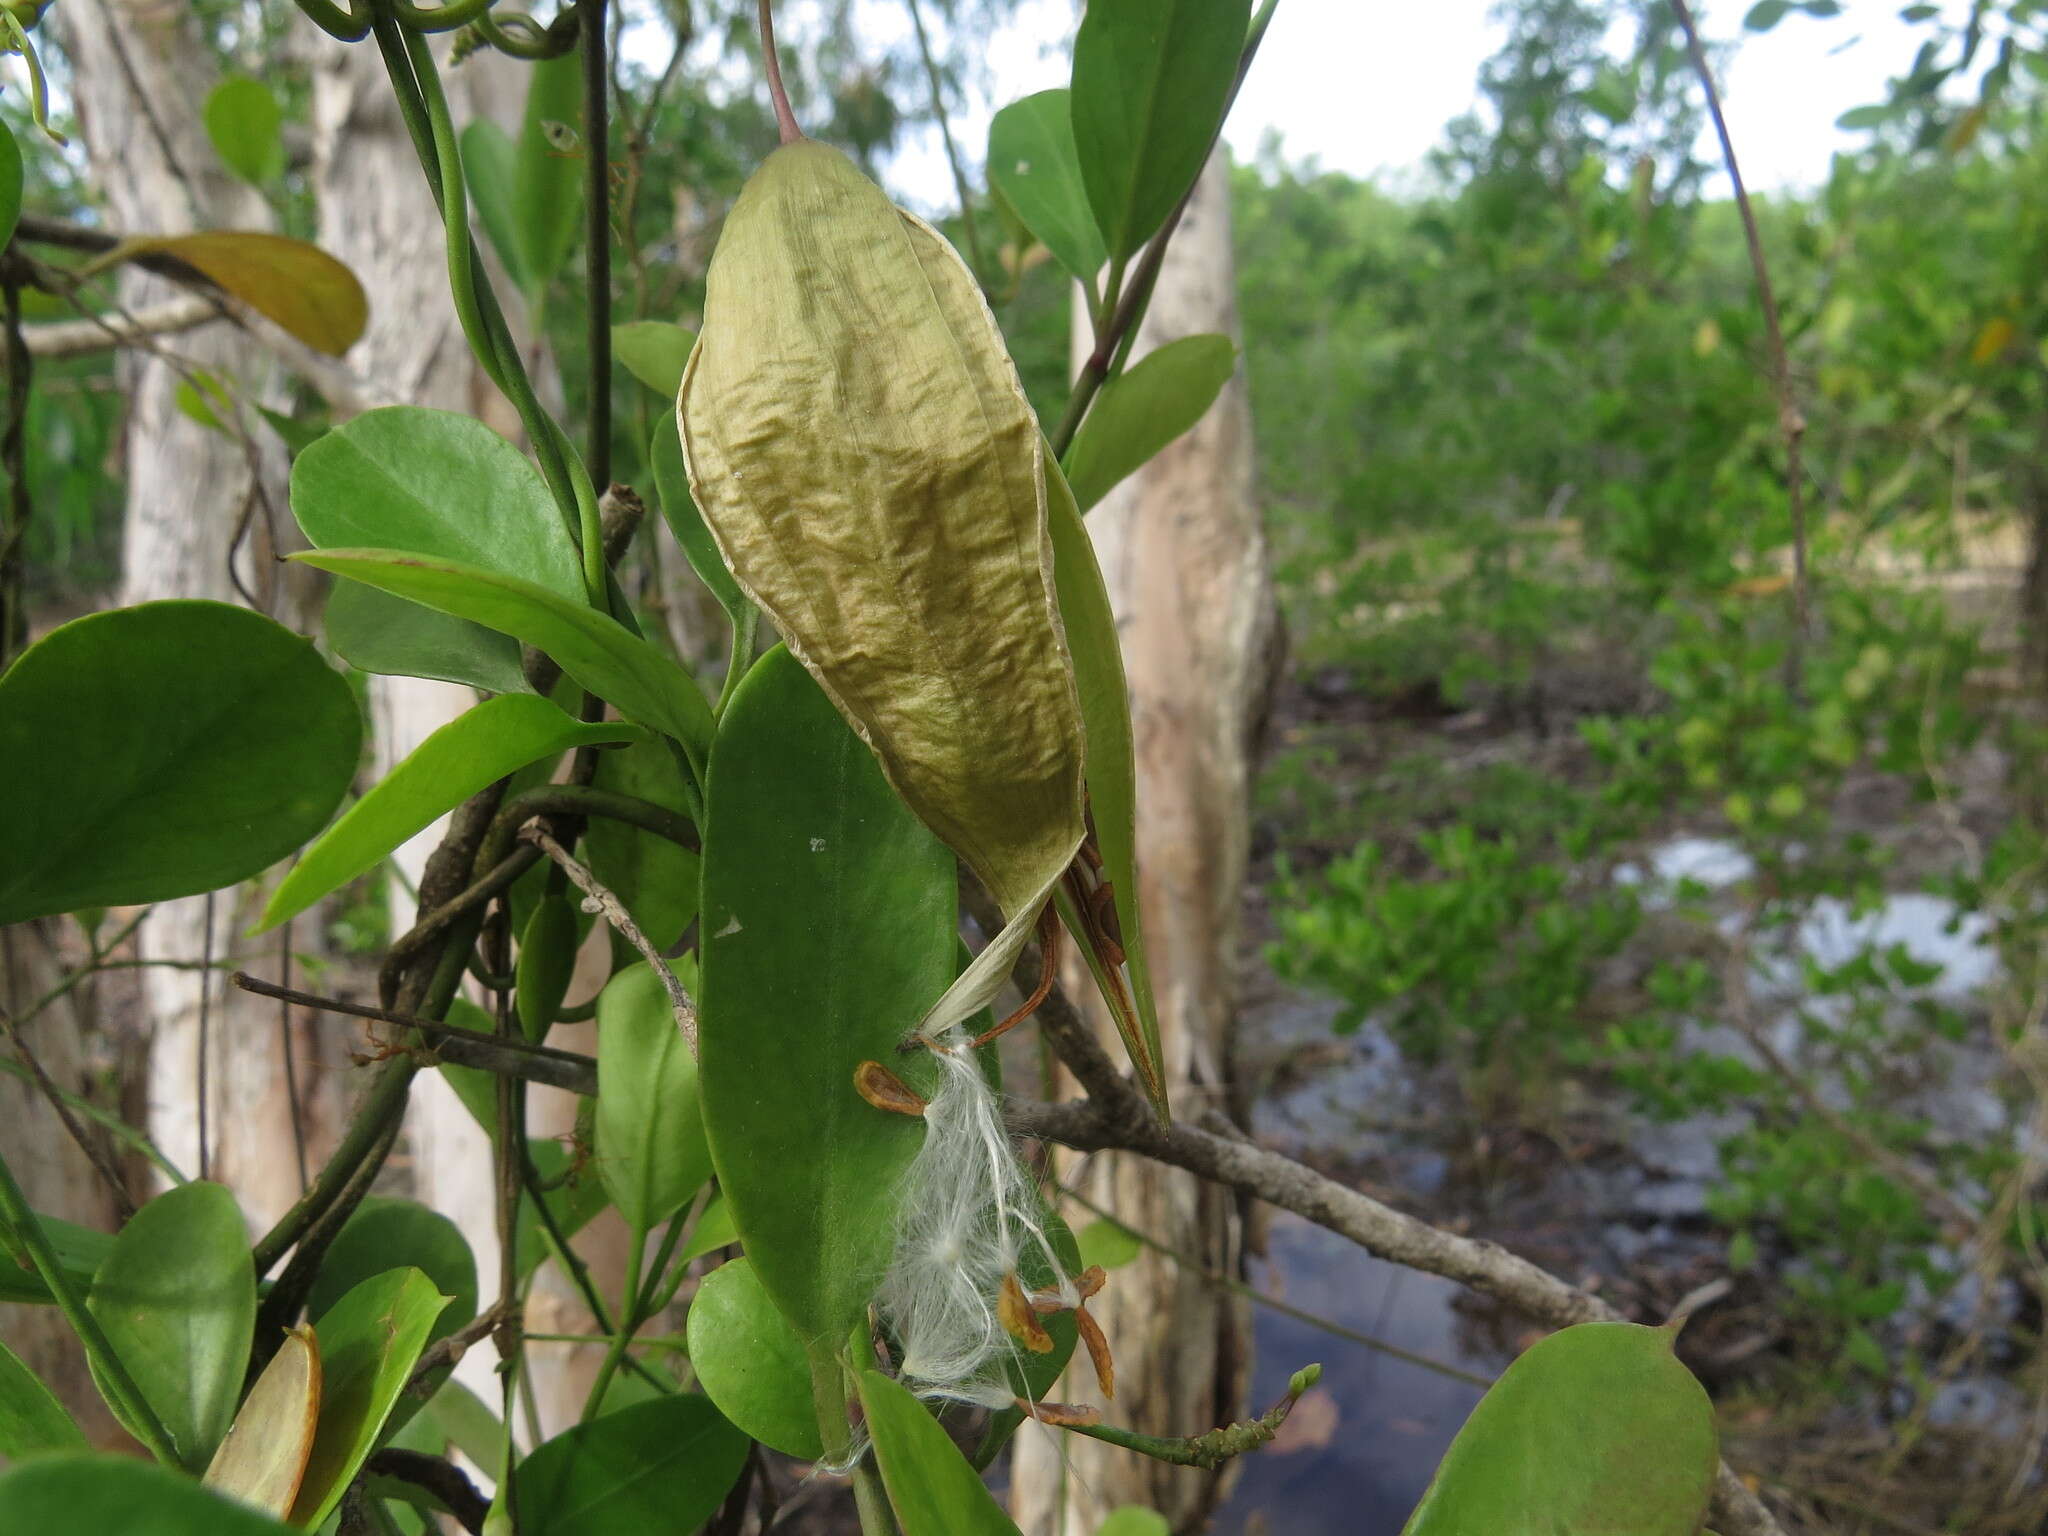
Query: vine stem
{"x":785,"y":120}
{"x":597,"y":256}
{"x":27,"y":1230}
{"x":1791,"y":422}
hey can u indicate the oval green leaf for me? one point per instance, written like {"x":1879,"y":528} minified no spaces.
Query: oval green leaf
{"x":651,"y":1149}
{"x":61,"y":1494}
{"x":434,"y":483}
{"x":1597,"y":1430}
{"x":263,"y":1459}
{"x":657,"y":879}
{"x":296,"y":285}
{"x":714,"y":1230}
{"x":32,"y":1421}
{"x":828,"y":928}
{"x":176,"y":1299}
{"x":369,"y":1343}
{"x":165,"y":750}
{"x":1141,"y":411}
{"x":1033,"y":163}
{"x":547,"y":960}
{"x":246,"y":126}
{"x":660,"y":1466}
{"x":80,"y":1251}
{"x":931,"y":1487}
{"x":376,"y":632}
{"x":593,"y":648}
{"x":547,"y":181}
{"x":752,"y":1363}
{"x":654,"y":352}
{"x":490,"y":164}
{"x":1150,"y":81}
{"x":387,"y":1234}
{"x":476,"y":748}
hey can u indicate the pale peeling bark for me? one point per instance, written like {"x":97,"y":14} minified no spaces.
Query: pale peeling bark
{"x":140,"y":69}
{"x":1184,"y":555}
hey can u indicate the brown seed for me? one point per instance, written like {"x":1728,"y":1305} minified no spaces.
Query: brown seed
{"x":1013,"y":1310}
{"x":885,"y":1090}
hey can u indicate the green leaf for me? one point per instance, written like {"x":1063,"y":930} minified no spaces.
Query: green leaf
{"x":1766,"y":14}
{"x":1132,"y":1520}
{"x":547,"y":961}
{"x":547,"y":184}
{"x":165,"y":750}
{"x":752,"y":1363}
{"x":931,"y":1487}
{"x":829,"y":929}
{"x":655,"y":878}
{"x":1141,"y":411}
{"x":1864,"y":117}
{"x":672,"y":485}
{"x":490,"y":164}
{"x":651,"y":1150}
{"x":654,"y":352}
{"x":714,"y":1229}
{"x":32,"y":1421}
{"x":660,"y":1466}
{"x":1595,"y":1429}
{"x":263,"y":1459}
{"x":1112,"y":757}
{"x":476,"y":748}
{"x":593,"y":648}
{"x":176,"y":1299}
{"x":574,"y":1199}
{"x":80,"y":1251}
{"x":467,"y":1422}
{"x":295,"y":285}
{"x":1032,"y":162}
{"x":369,"y":1343}
{"x":377,"y":632}
{"x":1150,"y":81}
{"x":1108,"y":1243}
{"x":434,"y":483}
{"x":10,"y":184}
{"x":246,"y":126}
{"x":108,"y":1494}
{"x":387,"y":1234}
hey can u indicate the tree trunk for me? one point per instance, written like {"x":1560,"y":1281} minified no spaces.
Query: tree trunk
{"x":198,"y":499}
{"x":1185,"y":559}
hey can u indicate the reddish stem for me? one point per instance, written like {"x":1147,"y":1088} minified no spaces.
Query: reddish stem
{"x":785,"y":118}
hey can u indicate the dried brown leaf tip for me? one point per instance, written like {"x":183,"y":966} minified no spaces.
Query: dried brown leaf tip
{"x":1063,"y":1415}
{"x":885,"y":1090}
{"x":1048,"y":1302}
{"x":1019,"y":1319}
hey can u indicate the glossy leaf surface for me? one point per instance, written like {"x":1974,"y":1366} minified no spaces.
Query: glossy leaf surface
{"x":657,"y":879}
{"x":664,"y":1465}
{"x":369,"y":1343}
{"x":245,"y":124}
{"x":1033,"y":162}
{"x":1142,"y":410}
{"x":1596,"y":1430}
{"x":1150,"y":81}
{"x":654,"y":352}
{"x":672,"y":485}
{"x":829,"y":927}
{"x":751,"y":1362}
{"x":478,"y":747}
{"x":32,"y":1421}
{"x":165,"y":750}
{"x":651,"y":1149}
{"x":387,"y":1234}
{"x":63,"y":1495}
{"x":931,"y":1487}
{"x":176,"y":1299}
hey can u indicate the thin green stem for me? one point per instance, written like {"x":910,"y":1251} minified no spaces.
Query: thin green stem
{"x":743,"y":631}
{"x":27,"y":1229}
{"x":338,"y":21}
{"x":437,"y":18}
{"x":380,"y":1109}
{"x":630,"y":1319}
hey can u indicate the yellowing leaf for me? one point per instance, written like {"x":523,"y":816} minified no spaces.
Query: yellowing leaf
{"x":1992,"y":340}
{"x":299,"y":286}
{"x":862,"y":451}
{"x":263,"y":1459}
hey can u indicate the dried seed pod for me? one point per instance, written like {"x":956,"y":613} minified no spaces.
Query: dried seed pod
{"x":861,"y":450}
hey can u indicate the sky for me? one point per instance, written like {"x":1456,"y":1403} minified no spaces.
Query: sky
{"x":1366,"y":86}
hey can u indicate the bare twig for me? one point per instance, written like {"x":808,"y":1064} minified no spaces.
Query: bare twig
{"x":931,"y":73}
{"x":616,"y":914}
{"x":77,"y":338}
{"x":1790,"y":421}
{"x":443,"y":1479}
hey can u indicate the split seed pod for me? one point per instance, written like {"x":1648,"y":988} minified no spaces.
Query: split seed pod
{"x":862,"y":451}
